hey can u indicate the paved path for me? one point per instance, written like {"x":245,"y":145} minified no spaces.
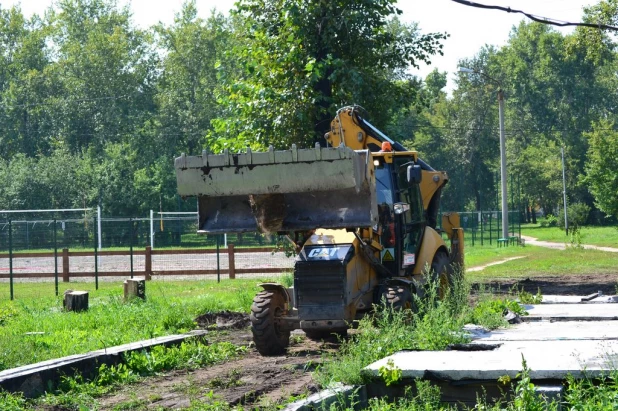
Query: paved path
{"x":482,"y":267}
{"x":562,"y":246}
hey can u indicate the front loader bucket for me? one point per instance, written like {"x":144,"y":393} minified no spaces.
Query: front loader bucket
{"x":288,"y":190}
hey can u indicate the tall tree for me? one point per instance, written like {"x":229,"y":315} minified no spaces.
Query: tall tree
{"x":24,"y":119}
{"x":601,"y":175}
{"x":305,"y":59}
{"x":104,"y":66}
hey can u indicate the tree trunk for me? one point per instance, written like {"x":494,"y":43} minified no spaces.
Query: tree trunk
{"x":75,"y":300}
{"x":134,"y":288}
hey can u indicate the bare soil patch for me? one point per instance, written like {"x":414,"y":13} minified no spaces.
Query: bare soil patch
{"x":559,"y":285}
{"x":252,"y":381}
{"x":223,"y":320}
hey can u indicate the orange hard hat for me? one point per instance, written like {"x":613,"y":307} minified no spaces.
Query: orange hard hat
{"x":386,"y":146}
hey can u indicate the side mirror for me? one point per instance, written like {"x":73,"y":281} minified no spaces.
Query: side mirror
{"x":415,"y":174}
{"x":400,"y":208}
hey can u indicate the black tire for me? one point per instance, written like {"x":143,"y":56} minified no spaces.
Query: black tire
{"x":441,"y":274}
{"x":398,"y":298}
{"x":318,"y":335}
{"x":268,"y":338}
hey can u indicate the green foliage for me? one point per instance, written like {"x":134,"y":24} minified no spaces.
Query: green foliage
{"x":525,"y":397}
{"x":7,"y":310}
{"x":434,"y":326}
{"x":490,"y":311}
{"x":577,"y":215}
{"x":187,"y":355}
{"x":528,"y":298}
{"x":390,"y":373}
{"x":305,"y":59}
{"x":602,"y":165}
{"x":11,"y":402}
{"x":94,"y":108}
{"x":588,"y":395}
{"x":427,"y":398}
{"x":549,"y":221}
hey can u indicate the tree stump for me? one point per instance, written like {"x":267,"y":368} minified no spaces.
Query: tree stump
{"x":134,"y":288}
{"x":75,"y":300}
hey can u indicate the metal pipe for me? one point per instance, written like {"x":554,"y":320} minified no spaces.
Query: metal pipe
{"x":11,"y":258}
{"x":566,"y":221}
{"x":505,"y":206}
{"x":55,"y":259}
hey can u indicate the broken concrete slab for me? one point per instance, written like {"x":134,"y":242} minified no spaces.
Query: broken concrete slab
{"x":547,"y":360}
{"x":348,"y":395}
{"x":571,"y":312}
{"x":551,"y":331}
{"x":577,"y":299}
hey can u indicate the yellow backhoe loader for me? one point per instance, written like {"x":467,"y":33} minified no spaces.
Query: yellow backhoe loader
{"x":362,"y":213}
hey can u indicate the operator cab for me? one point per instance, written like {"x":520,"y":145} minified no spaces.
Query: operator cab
{"x":402,"y":219}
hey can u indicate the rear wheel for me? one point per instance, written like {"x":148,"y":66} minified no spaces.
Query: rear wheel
{"x":440,"y":273}
{"x":268,"y":337}
{"x":398,"y":297}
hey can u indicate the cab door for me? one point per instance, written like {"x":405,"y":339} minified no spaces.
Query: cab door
{"x":387,"y":221}
{"x":412,"y":218}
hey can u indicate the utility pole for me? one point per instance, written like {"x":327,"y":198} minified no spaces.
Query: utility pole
{"x":566,"y":221}
{"x":505,"y":200}
{"x":505,"y":206}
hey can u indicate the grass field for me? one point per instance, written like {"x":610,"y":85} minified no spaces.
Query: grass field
{"x":170,"y":308}
{"x":538,"y":262}
{"x":601,"y":236}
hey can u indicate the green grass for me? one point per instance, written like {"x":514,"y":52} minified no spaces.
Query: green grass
{"x":434,"y":326}
{"x":170,"y":308}
{"x":601,"y":236}
{"x":538,"y":262}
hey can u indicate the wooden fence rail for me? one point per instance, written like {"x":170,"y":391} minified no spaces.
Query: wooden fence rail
{"x":147,"y":272}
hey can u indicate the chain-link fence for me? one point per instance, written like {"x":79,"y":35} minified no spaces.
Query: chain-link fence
{"x":165,"y":231}
{"x":117,"y":233}
{"x":485,"y":227}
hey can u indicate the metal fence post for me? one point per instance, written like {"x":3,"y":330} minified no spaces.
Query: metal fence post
{"x":151,"y":229}
{"x":55,"y":259}
{"x":131,"y":243}
{"x":231,"y":262}
{"x":11,"y":258}
{"x":490,"y":217}
{"x":218,"y":261}
{"x":65,"y":265}
{"x":96,"y":256}
{"x":148,"y":263}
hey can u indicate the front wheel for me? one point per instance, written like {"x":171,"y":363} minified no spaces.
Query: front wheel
{"x":441,"y":274}
{"x":398,"y":298}
{"x":269,"y":339}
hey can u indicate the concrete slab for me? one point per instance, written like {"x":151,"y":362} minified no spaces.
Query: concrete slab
{"x":350,"y":395}
{"x":577,"y":299}
{"x":548,"y":360}
{"x":552,"y":331}
{"x":571,"y":312}
{"x":33,"y":379}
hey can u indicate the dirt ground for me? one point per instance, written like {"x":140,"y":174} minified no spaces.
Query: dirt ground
{"x":256,"y":382}
{"x":560,"y":285}
{"x":251,"y":382}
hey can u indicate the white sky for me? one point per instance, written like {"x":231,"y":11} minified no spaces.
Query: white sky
{"x":470,"y":28}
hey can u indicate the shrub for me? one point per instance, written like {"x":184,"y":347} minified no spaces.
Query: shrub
{"x":577,"y":215}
